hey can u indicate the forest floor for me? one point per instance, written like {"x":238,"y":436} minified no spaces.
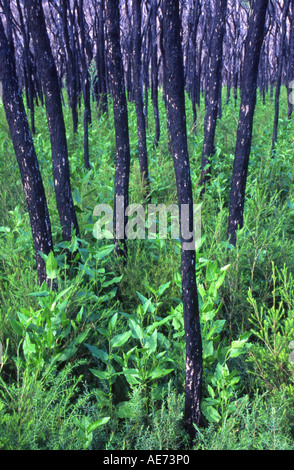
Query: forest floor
{"x":100,"y":364}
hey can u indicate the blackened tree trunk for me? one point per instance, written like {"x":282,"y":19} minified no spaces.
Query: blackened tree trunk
{"x":27,"y":67}
{"x":128,"y":47}
{"x":9,"y":26}
{"x":26,"y":157}
{"x":138,"y":96}
{"x":71,"y":63}
{"x":49,"y":78}
{"x":146,"y":54}
{"x":176,"y":119}
{"x":280,"y":70}
{"x":214,"y":85}
{"x":154,"y":71}
{"x":253,"y":46}
{"x":192,"y":65}
{"x":120,"y":111}
{"x":85,"y":84}
{"x":290,"y":74}
{"x":100,"y":61}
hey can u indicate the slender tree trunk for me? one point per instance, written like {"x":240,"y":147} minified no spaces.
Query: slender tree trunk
{"x":128,"y":51}
{"x":213,"y":87}
{"x":85,"y":84}
{"x":254,"y":41}
{"x":71,"y":69}
{"x":176,"y":119}
{"x":100,"y":61}
{"x":154,"y":71}
{"x":280,"y":71}
{"x":26,"y":157}
{"x":290,"y":84}
{"x":28,"y":67}
{"x":120,"y":111}
{"x":138,"y":95}
{"x":48,"y":74}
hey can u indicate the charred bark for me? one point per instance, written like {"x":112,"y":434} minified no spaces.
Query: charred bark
{"x":100,"y":61}
{"x":154,"y":71}
{"x":173,"y":76}
{"x":49,"y":78}
{"x":290,"y":74}
{"x":26,"y":157}
{"x":85,"y":83}
{"x":120,"y":111}
{"x":138,"y":96}
{"x":253,"y":46}
{"x":27,"y":67}
{"x":71,"y":63}
{"x":213,"y":90}
{"x":279,"y":73}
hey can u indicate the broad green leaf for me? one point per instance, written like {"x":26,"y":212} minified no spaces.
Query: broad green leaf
{"x":163,"y":288}
{"x":62,"y":293}
{"x":115,"y":280}
{"x":99,"y":353}
{"x":66,"y":331}
{"x":39,"y":294}
{"x":207,"y":348}
{"x":102,"y":375}
{"x":147,"y":303}
{"x":112,"y":322}
{"x":220,"y":280}
{"x":97,"y":424}
{"x":132,"y":376}
{"x":103,"y":252}
{"x":159,"y":323}
{"x":77,"y":196}
{"x":18,"y":328}
{"x":67,"y":354}
{"x":211,"y":391}
{"x":151,"y":342}
{"x":235,"y":352}
{"x":28,"y":346}
{"x":51,"y":266}
{"x":211,"y":271}
{"x":81,"y":337}
{"x":159,"y":372}
{"x":211,"y":413}
{"x":80,"y":315}
{"x":136,"y":329}
{"x":119,"y":340}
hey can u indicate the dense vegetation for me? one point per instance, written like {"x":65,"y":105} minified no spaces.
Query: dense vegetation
{"x":100,"y":363}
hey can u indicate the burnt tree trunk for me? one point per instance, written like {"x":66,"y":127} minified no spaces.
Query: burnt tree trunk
{"x":279,"y":73}
{"x":290,"y":74}
{"x":26,"y":157}
{"x":173,"y":75}
{"x":213,"y":89}
{"x":154,"y":71}
{"x":120,"y":111}
{"x":71,"y":63}
{"x":193,"y":65}
{"x":85,"y":83}
{"x":138,"y":95}
{"x":253,"y":46}
{"x":100,"y":61}
{"x":48,"y":74}
{"x":27,"y":67}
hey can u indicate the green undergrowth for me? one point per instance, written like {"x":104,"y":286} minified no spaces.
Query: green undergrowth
{"x":100,"y":364}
